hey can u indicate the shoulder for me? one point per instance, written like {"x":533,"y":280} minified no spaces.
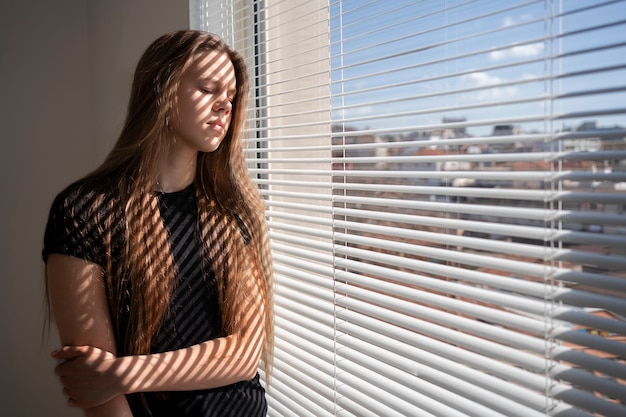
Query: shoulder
{"x":78,"y":216}
{"x":84,"y":199}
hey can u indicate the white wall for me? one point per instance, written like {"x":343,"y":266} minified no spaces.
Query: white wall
{"x":119,"y":31}
{"x":65,"y":71}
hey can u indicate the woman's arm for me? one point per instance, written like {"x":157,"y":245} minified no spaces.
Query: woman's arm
{"x":81,"y":313}
{"x":209,"y":364}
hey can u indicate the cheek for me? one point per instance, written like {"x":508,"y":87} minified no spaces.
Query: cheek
{"x":195,"y":109}
{"x":189,"y":96}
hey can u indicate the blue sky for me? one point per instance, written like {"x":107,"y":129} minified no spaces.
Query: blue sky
{"x":499,"y":57}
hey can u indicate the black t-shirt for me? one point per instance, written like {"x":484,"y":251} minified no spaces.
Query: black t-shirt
{"x":75,"y":228}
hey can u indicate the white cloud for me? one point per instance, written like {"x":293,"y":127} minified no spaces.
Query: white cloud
{"x":480,"y":79}
{"x":483,"y":79}
{"x":508,"y":21}
{"x":518,"y":51}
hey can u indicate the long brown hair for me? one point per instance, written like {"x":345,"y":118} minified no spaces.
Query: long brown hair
{"x":231,"y":211}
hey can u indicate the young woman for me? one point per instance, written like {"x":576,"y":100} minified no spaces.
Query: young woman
{"x":158,"y":270}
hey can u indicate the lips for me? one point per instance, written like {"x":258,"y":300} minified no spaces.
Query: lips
{"x":216,"y":124}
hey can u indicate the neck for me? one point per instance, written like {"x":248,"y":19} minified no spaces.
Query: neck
{"x":177,"y":172}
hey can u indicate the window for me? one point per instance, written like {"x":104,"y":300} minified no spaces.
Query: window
{"x":446,"y":191}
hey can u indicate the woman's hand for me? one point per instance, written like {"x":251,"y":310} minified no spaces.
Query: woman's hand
{"x":90,"y":376}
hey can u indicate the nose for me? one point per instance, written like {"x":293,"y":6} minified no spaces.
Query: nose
{"x":223,"y":103}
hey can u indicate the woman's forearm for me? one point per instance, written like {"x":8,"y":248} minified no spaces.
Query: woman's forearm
{"x":210,"y":364}
{"x":214,"y":363}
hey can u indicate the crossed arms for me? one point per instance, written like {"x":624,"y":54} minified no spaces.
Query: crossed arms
{"x":95,"y":379}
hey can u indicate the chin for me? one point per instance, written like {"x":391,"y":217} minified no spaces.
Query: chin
{"x":211,"y":146}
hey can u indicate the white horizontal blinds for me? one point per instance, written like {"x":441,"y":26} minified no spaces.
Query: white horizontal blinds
{"x":290,"y":160}
{"x":288,"y":150}
{"x":479,"y":163}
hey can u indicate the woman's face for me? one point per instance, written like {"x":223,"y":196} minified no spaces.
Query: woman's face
{"x":203,"y":109}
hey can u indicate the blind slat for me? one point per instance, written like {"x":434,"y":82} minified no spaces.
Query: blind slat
{"x":546,"y":214}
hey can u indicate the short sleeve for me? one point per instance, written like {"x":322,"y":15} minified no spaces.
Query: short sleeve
{"x":73,"y":228}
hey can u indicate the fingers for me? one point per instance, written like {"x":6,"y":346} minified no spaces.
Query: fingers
{"x":70,"y":352}
{"x":75,"y":394}
{"x":67,"y":354}
{"x":83,"y":374}
{"x":70,"y":400}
